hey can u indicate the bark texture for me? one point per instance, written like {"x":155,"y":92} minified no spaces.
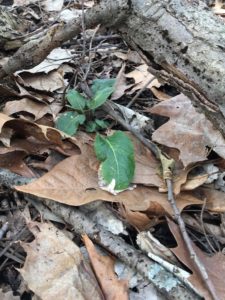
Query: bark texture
{"x":183,"y":42}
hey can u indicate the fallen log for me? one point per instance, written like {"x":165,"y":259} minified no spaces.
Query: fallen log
{"x":182,"y":41}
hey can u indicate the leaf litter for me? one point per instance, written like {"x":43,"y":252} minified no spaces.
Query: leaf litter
{"x":69,"y":167}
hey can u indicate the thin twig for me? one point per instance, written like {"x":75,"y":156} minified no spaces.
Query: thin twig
{"x":4,"y":229}
{"x":90,"y":56}
{"x":83,"y":29}
{"x":109,"y":108}
{"x":140,"y":91}
{"x":203,"y":227}
{"x":200,"y":267}
{"x":114,"y":244}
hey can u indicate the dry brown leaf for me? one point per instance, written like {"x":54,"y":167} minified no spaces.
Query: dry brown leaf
{"x":52,"y":160}
{"x":137,"y":219}
{"x":187,"y":130}
{"x":159,"y":94}
{"x":147,"y":167}
{"x":25,"y":129}
{"x":194,"y":182}
{"x":13,"y":161}
{"x":34,"y":95}
{"x":120,"y":85}
{"x":74,"y":181}
{"x":141,"y":76}
{"x":215,"y":200}
{"x":43,"y":82}
{"x":23,"y":138}
{"x":132,"y":56}
{"x":54,"y":266}
{"x":103,"y":266}
{"x":37,"y":109}
{"x":53,"y":61}
{"x":215,"y":265}
{"x":183,"y":182}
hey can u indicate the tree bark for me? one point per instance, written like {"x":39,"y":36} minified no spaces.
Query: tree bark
{"x":182,"y":41}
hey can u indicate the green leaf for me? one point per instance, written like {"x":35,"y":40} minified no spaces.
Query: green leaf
{"x":101,"y":89}
{"x":76,"y":100}
{"x":102,"y":124}
{"x":68,"y":122}
{"x":116,"y":153}
{"x":100,"y":84}
{"x":100,"y":97}
{"x":91,"y":126}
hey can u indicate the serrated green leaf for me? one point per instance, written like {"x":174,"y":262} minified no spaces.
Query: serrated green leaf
{"x":68,"y":122}
{"x":100,"y":84}
{"x":76,"y":100}
{"x":116,"y":153}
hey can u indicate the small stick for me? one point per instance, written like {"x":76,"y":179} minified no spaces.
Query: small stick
{"x":200,"y":267}
{"x":4,"y":229}
{"x":108,"y":107}
{"x":140,"y":91}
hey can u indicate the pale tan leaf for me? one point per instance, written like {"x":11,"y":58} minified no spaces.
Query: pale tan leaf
{"x":120,"y":86}
{"x":54,"y":266}
{"x":215,"y":265}
{"x":137,"y":219}
{"x":34,"y":95}
{"x":215,"y":200}
{"x":112,"y":287}
{"x":187,"y":130}
{"x":159,"y":94}
{"x":13,"y":161}
{"x":37,"y":109}
{"x":141,"y":76}
{"x":147,"y":167}
{"x":74,"y":181}
{"x":43,"y":82}
{"x":53,"y":61}
{"x":132,"y":56}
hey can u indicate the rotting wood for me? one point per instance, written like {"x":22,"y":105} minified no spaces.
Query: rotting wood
{"x":182,"y":41}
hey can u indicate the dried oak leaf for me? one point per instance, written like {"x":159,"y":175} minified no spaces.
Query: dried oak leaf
{"x":103,"y":266}
{"x":55,"y":268}
{"x":141,"y":77}
{"x":214,"y":265}
{"x":24,"y":129}
{"x":187,"y":130}
{"x":74,"y":181}
{"x":35,"y":108}
{"x":43,"y":82}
